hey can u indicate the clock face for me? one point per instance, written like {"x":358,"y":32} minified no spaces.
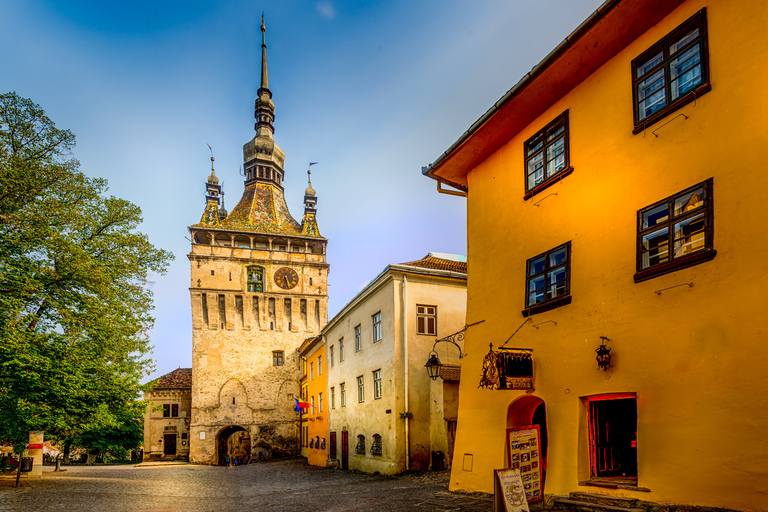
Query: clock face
{"x":286,"y":278}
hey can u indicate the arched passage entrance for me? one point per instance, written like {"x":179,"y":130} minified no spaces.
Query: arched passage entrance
{"x":530,"y":410}
{"x":233,"y":446}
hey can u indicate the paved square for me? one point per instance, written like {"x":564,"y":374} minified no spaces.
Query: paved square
{"x":286,"y":485}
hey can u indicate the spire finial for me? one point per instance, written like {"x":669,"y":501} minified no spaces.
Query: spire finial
{"x":212,"y":178}
{"x":264,"y":79}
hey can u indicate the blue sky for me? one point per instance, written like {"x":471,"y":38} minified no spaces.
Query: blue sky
{"x":372,"y":91}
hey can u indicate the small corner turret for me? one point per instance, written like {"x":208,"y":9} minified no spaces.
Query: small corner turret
{"x":309,"y":222}
{"x":213,"y":192}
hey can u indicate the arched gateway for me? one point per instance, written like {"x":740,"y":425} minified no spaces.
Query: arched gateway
{"x":530,"y":410}
{"x":233,"y":446}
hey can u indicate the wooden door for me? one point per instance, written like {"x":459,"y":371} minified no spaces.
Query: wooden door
{"x":614,"y":442}
{"x":332,"y":448}
{"x":169,"y":444}
{"x":344,"y":449}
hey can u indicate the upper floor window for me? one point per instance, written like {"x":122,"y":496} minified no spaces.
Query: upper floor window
{"x":320,"y":402}
{"x":330,"y":355}
{"x":548,"y":283}
{"x":377,"y":327}
{"x":319,"y":365}
{"x":426,"y":320}
{"x":675,"y":233}
{"x":672,"y":72}
{"x":255,"y":279}
{"x":377,"y":384}
{"x":311,"y":371}
{"x":170,"y":410}
{"x":277,"y":358}
{"x":333,"y":398}
{"x":358,"y":340}
{"x":361,"y":389}
{"x":312,"y":404}
{"x":341,"y":349}
{"x":343,"y":394}
{"x":547,"y":156}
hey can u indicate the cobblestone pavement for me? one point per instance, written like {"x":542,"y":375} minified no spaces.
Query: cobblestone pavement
{"x":285,"y":485}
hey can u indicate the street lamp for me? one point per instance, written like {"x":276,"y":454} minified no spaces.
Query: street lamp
{"x":603,"y":355}
{"x":433,"y":365}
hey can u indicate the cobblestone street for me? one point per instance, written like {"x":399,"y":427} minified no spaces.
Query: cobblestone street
{"x":284,"y":485}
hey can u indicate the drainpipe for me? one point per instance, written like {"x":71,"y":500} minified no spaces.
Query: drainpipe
{"x":407,"y":414}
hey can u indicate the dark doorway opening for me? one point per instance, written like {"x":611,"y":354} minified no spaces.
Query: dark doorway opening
{"x":613,"y":437}
{"x":169,"y":444}
{"x":233,"y":446}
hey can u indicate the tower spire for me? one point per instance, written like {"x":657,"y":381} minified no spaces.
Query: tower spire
{"x":264,"y":78}
{"x":265,"y":109}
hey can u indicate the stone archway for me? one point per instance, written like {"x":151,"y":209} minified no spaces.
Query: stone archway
{"x":530,"y":410}
{"x":233,"y":446}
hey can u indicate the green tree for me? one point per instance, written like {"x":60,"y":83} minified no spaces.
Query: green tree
{"x":117,"y":441}
{"x":74,"y":298}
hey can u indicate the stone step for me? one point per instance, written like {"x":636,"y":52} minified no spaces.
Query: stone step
{"x":603,"y":499}
{"x":585,"y":506}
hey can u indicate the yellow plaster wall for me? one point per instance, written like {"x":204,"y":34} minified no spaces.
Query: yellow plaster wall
{"x":318,"y":421}
{"x":696,"y":355}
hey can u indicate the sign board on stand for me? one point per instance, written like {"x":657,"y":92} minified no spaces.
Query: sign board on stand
{"x":524,"y":454}
{"x":508,"y":491}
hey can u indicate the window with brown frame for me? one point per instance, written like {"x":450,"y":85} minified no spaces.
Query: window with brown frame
{"x":675,"y":233}
{"x":547,"y":158}
{"x":548,"y":280}
{"x":672,"y":72}
{"x":426,"y":320}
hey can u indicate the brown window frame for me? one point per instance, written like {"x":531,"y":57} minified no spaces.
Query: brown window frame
{"x":562,"y":119}
{"x":278,"y":358}
{"x":557,"y":301}
{"x":698,"y":20}
{"x":673,"y":264}
{"x":423,"y":316}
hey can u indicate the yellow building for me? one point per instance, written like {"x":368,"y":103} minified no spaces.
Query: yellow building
{"x":312,"y":353}
{"x":613,"y":199}
{"x":386,"y":415}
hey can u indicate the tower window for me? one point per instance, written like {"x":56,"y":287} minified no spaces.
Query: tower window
{"x":255,"y":279}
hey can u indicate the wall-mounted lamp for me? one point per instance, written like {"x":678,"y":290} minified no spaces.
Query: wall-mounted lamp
{"x":603,"y":355}
{"x":433,"y":363}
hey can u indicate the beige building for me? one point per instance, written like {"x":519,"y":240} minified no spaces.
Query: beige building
{"x":385,"y":413}
{"x":166,"y":421}
{"x":258,"y":290}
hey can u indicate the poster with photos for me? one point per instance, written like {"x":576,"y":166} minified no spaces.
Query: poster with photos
{"x":524,"y":454}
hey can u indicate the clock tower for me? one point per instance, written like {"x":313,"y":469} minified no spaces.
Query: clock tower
{"x":258,"y":290}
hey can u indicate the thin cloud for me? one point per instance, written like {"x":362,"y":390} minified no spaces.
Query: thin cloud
{"x":326,"y":10}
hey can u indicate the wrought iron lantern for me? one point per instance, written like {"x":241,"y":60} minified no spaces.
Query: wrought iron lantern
{"x":603,"y":355}
{"x":433,"y":365}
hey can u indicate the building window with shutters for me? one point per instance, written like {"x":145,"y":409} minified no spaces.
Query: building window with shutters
{"x":377,"y":384}
{"x":376,"y":327}
{"x":426,"y":320}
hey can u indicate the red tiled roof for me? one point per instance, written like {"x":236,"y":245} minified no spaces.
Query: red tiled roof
{"x":433,"y":262}
{"x":179,"y":378}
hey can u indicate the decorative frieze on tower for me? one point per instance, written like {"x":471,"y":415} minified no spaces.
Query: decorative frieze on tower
{"x":258,"y":289}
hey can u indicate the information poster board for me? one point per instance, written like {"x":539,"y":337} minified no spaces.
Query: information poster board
{"x":524,"y":452}
{"x":508,"y":491}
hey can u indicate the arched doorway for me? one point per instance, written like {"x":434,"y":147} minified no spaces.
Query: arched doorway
{"x":530,"y":410}
{"x":233,"y":446}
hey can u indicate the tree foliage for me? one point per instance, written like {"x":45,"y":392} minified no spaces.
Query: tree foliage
{"x":74,"y":298}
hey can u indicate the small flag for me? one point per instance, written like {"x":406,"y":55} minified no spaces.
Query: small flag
{"x":300,"y":405}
